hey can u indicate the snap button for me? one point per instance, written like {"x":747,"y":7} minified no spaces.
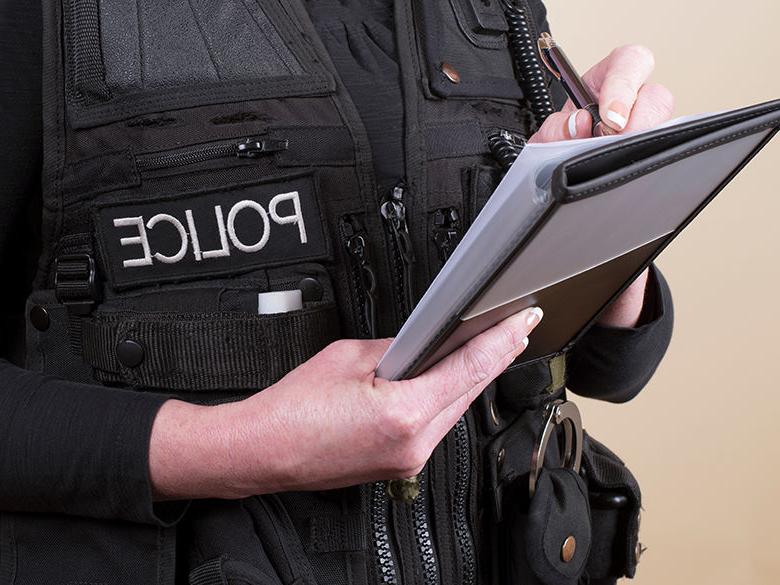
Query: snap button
{"x":568,"y":549}
{"x":494,"y":413}
{"x":450,"y":72}
{"x":39,"y":317}
{"x":311,"y":289}
{"x":130,"y":353}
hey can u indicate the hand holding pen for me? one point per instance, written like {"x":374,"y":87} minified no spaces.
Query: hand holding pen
{"x":615,"y":90}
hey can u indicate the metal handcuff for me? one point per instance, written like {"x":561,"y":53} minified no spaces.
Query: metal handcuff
{"x":564,"y":413}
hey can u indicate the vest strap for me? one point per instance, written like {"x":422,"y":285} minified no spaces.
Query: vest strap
{"x":209,"y":573}
{"x":204,"y":351}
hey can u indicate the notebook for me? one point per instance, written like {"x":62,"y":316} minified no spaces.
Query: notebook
{"x":570,"y":226}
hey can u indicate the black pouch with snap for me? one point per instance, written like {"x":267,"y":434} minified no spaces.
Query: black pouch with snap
{"x":465,"y":49}
{"x":549,"y":543}
{"x":615,"y":502}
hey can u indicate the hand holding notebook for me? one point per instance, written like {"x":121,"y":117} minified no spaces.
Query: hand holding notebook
{"x":570,"y":226}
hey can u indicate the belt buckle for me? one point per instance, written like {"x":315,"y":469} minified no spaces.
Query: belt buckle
{"x":564,"y":413}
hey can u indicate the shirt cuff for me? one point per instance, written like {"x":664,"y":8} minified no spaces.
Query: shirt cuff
{"x":78,"y":449}
{"x":615,"y":363}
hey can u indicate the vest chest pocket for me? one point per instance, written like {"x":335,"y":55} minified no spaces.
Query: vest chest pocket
{"x":465,"y":49}
{"x":124,"y":59}
{"x":238,"y":335}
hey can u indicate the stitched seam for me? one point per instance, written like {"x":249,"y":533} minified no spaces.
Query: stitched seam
{"x":666,"y":162}
{"x":667,"y":137}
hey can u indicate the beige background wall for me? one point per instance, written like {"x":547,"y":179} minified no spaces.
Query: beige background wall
{"x":704,"y":437}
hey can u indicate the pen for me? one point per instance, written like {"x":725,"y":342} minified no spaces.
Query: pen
{"x":559,"y":65}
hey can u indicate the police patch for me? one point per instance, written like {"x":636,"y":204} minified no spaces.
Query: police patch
{"x":210,"y":233}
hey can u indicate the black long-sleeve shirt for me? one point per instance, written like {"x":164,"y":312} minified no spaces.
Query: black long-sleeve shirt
{"x":79,"y":449}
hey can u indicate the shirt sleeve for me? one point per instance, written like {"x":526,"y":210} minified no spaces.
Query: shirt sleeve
{"x":64,"y":447}
{"x":614,"y":364}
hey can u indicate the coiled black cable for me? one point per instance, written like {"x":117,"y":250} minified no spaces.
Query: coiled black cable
{"x":526,"y":57}
{"x":505,"y":147}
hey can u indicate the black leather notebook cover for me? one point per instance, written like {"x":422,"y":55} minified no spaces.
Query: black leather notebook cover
{"x":605,"y":215}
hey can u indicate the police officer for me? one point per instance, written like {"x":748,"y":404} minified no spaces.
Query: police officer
{"x":180,"y":160}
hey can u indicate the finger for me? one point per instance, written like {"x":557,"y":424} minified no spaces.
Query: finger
{"x":478,"y":362}
{"x":626,"y":70}
{"x":654,"y":106}
{"x":564,"y":126}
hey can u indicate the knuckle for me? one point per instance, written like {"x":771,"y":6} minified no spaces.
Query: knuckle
{"x":478,"y":362}
{"x":402,"y":423}
{"x":640,"y":53}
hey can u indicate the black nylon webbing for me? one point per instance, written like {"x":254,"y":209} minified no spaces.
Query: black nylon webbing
{"x":202,"y":352}
{"x":343,"y":533}
{"x":209,"y":573}
{"x":455,"y":139}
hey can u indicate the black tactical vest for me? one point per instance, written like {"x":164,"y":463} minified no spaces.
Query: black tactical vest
{"x":180,"y":183}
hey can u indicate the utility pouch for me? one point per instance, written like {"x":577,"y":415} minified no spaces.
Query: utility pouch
{"x":567,"y":507}
{"x":125,"y":59}
{"x":549,"y":542}
{"x":244,"y":542}
{"x":465,"y":51}
{"x":615,"y":503}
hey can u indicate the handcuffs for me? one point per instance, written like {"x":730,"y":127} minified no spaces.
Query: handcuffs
{"x":564,"y":413}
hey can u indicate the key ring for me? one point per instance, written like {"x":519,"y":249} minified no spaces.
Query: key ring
{"x":566,"y":414}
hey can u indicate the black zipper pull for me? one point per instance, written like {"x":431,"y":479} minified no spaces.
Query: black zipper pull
{"x":393,"y":211}
{"x":446,"y":231}
{"x":255,"y":147}
{"x":363,"y":276}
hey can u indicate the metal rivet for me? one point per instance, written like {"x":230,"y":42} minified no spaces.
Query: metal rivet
{"x":39,"y":317}
{"x":568,"y":549}
{"x":450,"y":72}
{"x":130,"y":353}
{"x":311,"y":289}
{"x":494,"y":413}
{"x":501,"y":457}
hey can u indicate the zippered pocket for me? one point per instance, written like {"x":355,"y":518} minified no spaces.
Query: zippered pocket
{"x":361,"y":274}
{"x":250,"y":148}
{"x":125,"y":59}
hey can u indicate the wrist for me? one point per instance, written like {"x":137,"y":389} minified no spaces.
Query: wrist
{"x":626,"y":310}
{"x":192,"y":452}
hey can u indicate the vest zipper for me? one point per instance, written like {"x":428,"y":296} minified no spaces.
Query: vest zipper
{"x":423,"y":535}
{"x":461,"y":511}
{"x":250,"y":148}
{"x":393,"y":211}
{"x":445,"y":235}
{"x":384,"y":553}
{"x":363,"y":278}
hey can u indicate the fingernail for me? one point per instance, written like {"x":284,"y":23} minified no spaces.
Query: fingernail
{"x":617,"y":115}
{"x":534,"y":316}
{"x":573,"y":124}
{"x":524,"y":343}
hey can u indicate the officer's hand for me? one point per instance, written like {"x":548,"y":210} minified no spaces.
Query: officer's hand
{"x":627,"y":103}
{"x":329,"y":423}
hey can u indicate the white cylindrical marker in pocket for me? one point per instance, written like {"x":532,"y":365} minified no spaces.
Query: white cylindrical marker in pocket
{"x":281,"y":301}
